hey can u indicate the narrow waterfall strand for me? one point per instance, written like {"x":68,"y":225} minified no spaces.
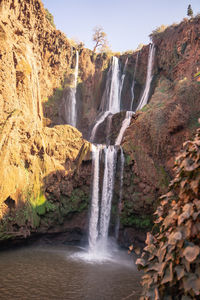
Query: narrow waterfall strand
{"x":145,"y":95}
{"x":100,"y":121}
{"x":107,"y":193}
{"x":68,"y":109}
{"x":132,"y":94}
{"x":73,"y":109}
{"x":110,"y":103}
{"x":122,"y":78}
{"x":114,"y":99}
{"x":133,"y":83}
{"x":108,"y":129}
{"x":122,"y":160}
{"x":124,"y":126}
{"x":94,"y":214}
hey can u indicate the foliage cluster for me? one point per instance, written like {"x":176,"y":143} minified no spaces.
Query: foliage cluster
{"x":158,"y":30}
{"x":50,"y":17}
{"x":57,"y":95}
{"x":171,"y":259}
{"x":190,"y":11}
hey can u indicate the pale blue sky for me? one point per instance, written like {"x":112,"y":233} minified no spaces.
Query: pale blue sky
{"x":126,"y":22}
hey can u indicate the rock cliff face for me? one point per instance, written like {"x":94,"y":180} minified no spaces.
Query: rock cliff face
{"x":33,"y":60}
{"x":157,"y":132}
{"x":46,"y":171}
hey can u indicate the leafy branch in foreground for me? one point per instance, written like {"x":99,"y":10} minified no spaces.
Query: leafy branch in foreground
{"x":171,"y":259}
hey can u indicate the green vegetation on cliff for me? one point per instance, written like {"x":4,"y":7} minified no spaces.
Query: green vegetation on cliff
{"x":50,"y":17}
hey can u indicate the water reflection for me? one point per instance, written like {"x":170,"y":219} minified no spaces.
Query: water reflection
{"x":61,"y":272}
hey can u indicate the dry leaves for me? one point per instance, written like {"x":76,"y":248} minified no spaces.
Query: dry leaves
{"x":171,"y":259}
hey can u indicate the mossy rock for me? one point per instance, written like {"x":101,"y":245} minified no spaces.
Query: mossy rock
{"x":140,"y":222}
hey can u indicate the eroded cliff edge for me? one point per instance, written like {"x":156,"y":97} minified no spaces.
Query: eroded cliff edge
{"x":46,"y":171}
{"x":33,"y":60}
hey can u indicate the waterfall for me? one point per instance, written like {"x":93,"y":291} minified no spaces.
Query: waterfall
{"x":101,"y":201}
{"x":123,"y":77}
{"x":110,"y":103}
{"x":124,"y":126}
{"x":122,"y":160}
{"x":145,"y":95}
{"x":133,"y":84}
{"x":111,"y":99}
{"x":102,"y":117}
{"x":107,"y":193}
{"x":108,"y":129}
{"x":94,"y":214}
{"x":100,"y":209}
{"x":68,"y":109}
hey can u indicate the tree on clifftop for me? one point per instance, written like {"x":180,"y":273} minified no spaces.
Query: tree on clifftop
{"x":190,"y":11}
{"x":100,"y":38}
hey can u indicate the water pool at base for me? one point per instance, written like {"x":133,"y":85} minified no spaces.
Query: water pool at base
{"x":67,"y":272}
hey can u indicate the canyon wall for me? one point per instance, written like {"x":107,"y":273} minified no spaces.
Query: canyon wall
{"x":34,"y":58}
{"x":45,"y":164}
{"x":156,"y":133}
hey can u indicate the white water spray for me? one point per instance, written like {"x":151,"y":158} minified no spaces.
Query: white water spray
{"x":145,"y":95}
{"x":107,"y":193}
{"x":124,"y":126}
{"x":68,"y":109}
{"x":108,"y":129}
{"x":123,"y":77}
{"x":110,"y":103}
{"x":133,"y":83}
{"x":94,"y":213}
{"x":100,"y":209}
{"x":122,"y":160}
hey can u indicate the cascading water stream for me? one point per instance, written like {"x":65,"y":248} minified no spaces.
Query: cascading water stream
{"x":145,"y":95}
{"x":101,"y":208}
{"x":107,"y":194}
{"x":122,"y":161}
{"x":110,"y":103}
{"x":123,"y":77}
{"x":68,"y":109}
{"x":133,"y":83}
{"x":108,"y":129}
{"x":94,"y":213}
{"x":124,"y":126}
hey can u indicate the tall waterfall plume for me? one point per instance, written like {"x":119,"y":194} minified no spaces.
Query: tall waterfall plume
{"x":94,"y":214}
{"x":68,"y":109}
{"x":106,"y":155}
{"x":133,"y":83}
{"x":110,"y":103}
{"x":101,"y":208}
{"x":145,"y":95}
{"x":124,"y":126}
{"x":122,"y":78}
{"x":122,"y":161}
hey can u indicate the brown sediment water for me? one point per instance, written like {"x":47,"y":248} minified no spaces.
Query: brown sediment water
{"x":66,"y":272}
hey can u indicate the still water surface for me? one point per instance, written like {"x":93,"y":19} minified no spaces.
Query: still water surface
{"x":66,"y":273}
